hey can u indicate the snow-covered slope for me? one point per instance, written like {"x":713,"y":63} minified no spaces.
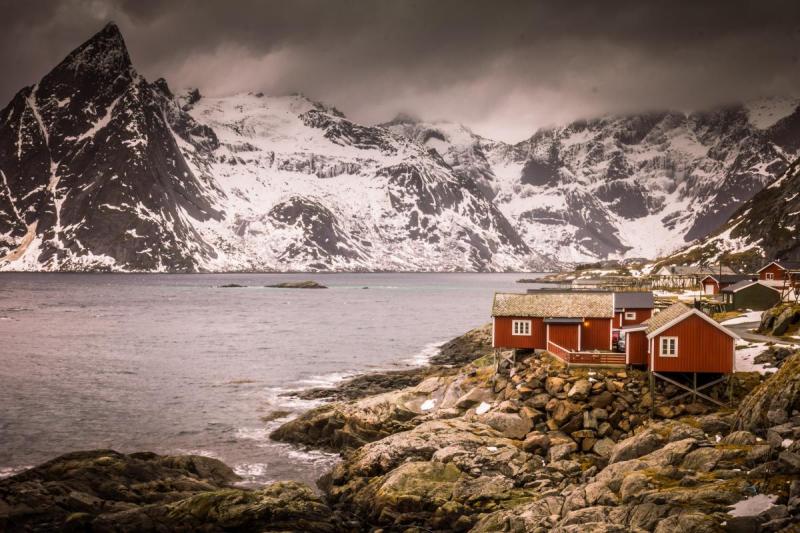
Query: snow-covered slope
{"x":764,"y":228}
{"x":635,"y":186}
{"x":101,"y":169}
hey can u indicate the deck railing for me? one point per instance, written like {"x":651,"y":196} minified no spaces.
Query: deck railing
{"x":572,"y":357}
{"x":559,"y":351}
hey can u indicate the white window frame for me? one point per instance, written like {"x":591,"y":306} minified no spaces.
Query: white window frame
{"x":769,"y":275}
{"x":521,"y":328}
{"x":630,"y":315}
{"x":662,"y":352}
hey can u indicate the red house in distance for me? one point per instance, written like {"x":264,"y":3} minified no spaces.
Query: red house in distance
{"x":715,"y":283}
{"x":778,"y":271}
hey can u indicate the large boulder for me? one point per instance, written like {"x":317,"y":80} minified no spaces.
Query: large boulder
{"x":511,"y":425}
{"x":439,"y":474}
{"x":640,"y":444}
{"x":773,"y":402}
{"x":580,"y":390}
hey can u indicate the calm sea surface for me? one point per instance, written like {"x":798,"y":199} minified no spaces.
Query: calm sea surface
{"x":177,"y":364}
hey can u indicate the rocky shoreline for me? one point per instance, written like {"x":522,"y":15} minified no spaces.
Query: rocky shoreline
{"x":454,"y":447}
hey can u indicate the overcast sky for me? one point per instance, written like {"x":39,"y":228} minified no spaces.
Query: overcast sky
{"x":502,"y":68}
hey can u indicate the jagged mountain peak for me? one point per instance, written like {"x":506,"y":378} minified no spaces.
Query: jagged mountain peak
{"x":105,"y":53}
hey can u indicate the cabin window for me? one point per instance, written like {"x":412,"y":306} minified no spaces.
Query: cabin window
{"x":770,"y":275}
{"x":521,"y":327}
{"x":630,"y":315}
{"x":669,"y":346}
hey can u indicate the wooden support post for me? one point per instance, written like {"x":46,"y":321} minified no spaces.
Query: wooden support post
{"x":730,"y":389}
{"x":652,"y":394}
{"x":690,"y":391}
{"x":694,"y":387}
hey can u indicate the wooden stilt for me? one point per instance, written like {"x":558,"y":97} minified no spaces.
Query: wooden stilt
{"x":692,"y":390}
{"x":694,"y":387}
{"x":652,"y":394}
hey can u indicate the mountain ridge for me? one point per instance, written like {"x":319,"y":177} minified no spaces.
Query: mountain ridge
{"x":102,"y":170}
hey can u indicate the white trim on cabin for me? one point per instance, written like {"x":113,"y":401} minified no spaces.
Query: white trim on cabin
{"x":524,"y":329}
{"x":769,"y":276}
{"x":580,"y":328}
{"x":494,"y":332}
{"x":686,"y":315}
{"x":670,"y":351}
{"x":769,"y":265}
{"x":630,"y":315}
{"x":627,"y":348}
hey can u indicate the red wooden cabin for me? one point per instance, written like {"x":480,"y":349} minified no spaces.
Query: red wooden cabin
{"x":715,"y":283}
{"x":571,"y":325}
{"x":681,"y":339}
{"x":778,"y":270}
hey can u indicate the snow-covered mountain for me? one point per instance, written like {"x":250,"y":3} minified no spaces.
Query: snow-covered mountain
{"x":763,"y":229}
{"x":101,"y":169}
{"x":636,"y":186}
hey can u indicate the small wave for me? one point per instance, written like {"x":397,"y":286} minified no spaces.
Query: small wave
{"x":203,"y":453}
{"x":424,"y":356}
{"x":325,"y":381}
{"x":251,"y":471}
{"x":259,"y":434}
{"x":312,"y":456}
{"x":8,"y":471}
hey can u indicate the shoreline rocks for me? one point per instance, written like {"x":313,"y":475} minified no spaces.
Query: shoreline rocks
{"x":540,"y":447}
{"x":103,"y":490}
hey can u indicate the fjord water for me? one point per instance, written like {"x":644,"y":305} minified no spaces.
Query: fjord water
{"x":179,"y":364}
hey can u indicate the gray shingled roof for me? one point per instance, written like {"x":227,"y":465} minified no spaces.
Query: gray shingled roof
{"x":746,"y":283}
{"x":547,"y":304}
{"x":633,"y":300}
{"x":667,"y":315}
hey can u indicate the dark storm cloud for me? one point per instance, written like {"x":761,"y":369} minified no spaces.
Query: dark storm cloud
{"x":504,"y":68}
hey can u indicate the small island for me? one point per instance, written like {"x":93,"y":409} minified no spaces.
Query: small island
{"x":298,"y":285}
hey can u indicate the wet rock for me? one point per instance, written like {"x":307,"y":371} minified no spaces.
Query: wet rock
{"x":104,"y":490}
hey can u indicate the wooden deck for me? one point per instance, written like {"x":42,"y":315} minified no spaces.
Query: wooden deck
{"x":579,"y":358}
